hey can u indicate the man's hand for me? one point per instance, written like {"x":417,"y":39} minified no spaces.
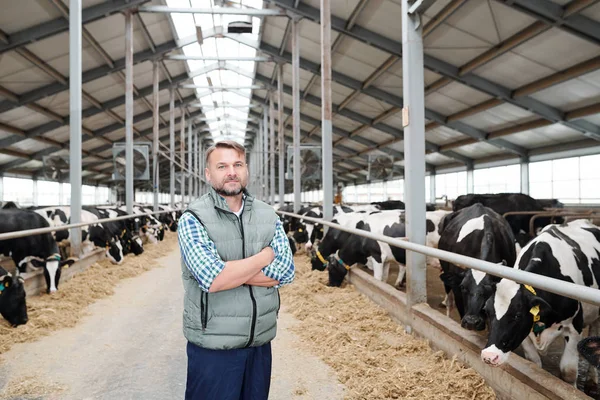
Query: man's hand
{"x":238,"y":272}
{"x":261,"y":280}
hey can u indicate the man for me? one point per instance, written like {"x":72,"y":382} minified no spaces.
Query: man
{"x":235,"y":256}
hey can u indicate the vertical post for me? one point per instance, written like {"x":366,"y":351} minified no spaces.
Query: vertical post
{"x":280,"y":131}
{"x":414,"y":149}
{"x":155,"y":139}
{"x":182,"y":146}
{"x":172,"y":144}
{"x":128,"y":112}
{"x":35,"y":193}
{"x":2,"y":188}
{"x":326,"y":115}
{"x":272,"y":151}
{"x":265,"y":158}
{"x":524,"y":176}
{"x":296,"y":111}
{"x":196,"y":165}
{"x":431,"y":187}
{"x":190,"y":166}
{"x":75,"y":28}
{"x":470,"y":180}
{"x":202,"y":162}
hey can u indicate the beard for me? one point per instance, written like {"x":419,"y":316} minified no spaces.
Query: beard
{"x":232,"y":191}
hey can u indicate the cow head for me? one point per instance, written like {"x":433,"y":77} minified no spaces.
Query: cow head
{"x":12,"y":299}
{"x":514,"y":311}
{"x":300,"y":234}
{"x":337,"y":270}
{"x":161,"y":232}
{"x":52,"y":270}
{"x":114,"y":251}
{"x":476,"y":288}
{"x":135,"y":245}
{"x":130,"y":243}
{"x":329,"y":244}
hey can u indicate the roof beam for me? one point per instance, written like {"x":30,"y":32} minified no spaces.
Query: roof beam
{"x":395,"y":101}
{"x":442,"y":16}
{"x":88,"y":76}
{"x":59,"y":25}
{"x":450,"y":71}
{"x":562,"y":17}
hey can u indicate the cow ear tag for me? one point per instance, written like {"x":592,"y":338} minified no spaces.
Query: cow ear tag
{"x":535,"y":311}
{"x":300,"y":230}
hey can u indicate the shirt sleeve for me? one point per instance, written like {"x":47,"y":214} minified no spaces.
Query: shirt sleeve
{"x":198,"y":251}
{"x":282,"y":268}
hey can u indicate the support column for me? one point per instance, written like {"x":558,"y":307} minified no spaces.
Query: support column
{"x":35,"y":193}
{"x":265,"y":156}
{"x":281,"y":138}
{"x":524,"y":176}
{"x":155,"y":139}
{"x":470,"y":180}
{"x":128,"y":113}
{"x":172,"y":145}
{"x":2,"y":188}
{"x":196,"y":165}
{"x":272,"y":151}
{"x":190,"y":165}
{"x":326,"y":115}
{"x":296,"y":112}
{"x":182,"y":146}
{"x":414,"y":150}
{"x":75,"y":71}
{"x":431,"y":187}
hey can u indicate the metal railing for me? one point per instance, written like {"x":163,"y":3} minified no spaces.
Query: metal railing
{"x":562,"y":288}
{"x":39,"y":231}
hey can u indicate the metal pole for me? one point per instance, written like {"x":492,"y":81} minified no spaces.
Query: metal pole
{"x":431,"y":187}
{"x":470,"y":180}
{"x":35,"y":193}
{"x":414,"y":149}
{"x":128,"y":112}
{"x":75,"y":27}
{"x":265,"y":156}
{"x":281,"y":133}
{"x":196,"y":165}
{"x":190,"y":166}
{"x":182,"y":145}
{"x":326,"y":115}
{"x":155,"y":118}
{"x":272,"y":151}
{"x":296,"y":111}
{"x":172,"y":144}
{"x":524,"y":176}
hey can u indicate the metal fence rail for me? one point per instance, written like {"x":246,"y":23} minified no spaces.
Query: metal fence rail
{"x":567,"y":289}
{"x":38,"y":231}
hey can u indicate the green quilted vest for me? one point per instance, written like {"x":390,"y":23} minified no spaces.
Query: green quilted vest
{"x":245,"y":316}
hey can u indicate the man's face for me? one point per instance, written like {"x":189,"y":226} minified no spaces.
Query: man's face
{"x":227,"y":172}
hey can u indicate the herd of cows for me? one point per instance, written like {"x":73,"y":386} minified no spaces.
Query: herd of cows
{"x":514,"y":314}
{"x":48,"y":251}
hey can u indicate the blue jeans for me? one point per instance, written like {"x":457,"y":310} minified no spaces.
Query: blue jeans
{"x":237,"y":374}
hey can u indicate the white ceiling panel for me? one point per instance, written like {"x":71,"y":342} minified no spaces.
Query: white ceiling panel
{"x":11,"y":18}
{"x":572,"y":94}
{"x":442,"y":135}
{"x":361,"y":52}
{"x":458,"y":92}
{"x":478,"y":150}
{"x":438,"y":159}
{"x":382,"y":17}
{"x":499,"y":117}
{"x":513,"y":70}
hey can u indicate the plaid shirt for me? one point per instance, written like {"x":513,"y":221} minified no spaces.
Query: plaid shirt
{"x":200,"y":254}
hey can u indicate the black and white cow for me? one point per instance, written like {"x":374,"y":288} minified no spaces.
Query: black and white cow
{"x":506,"y":202}
{"x":40,"y":251}
{"x":92,"y":236}
{"x":478,"y":232}
{"x":12,"y":298}
{"x":378,"y":255}
{"x":308,"y":232}
{"x":169,"y":218}
{"x":150,"y":229}
{"x":119,"y":230}
{"x":534,"y":318}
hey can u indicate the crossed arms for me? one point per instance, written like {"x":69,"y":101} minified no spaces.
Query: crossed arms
{"x":272,"y":266}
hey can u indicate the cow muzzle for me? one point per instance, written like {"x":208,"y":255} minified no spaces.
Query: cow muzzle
{"x":473,"y":323}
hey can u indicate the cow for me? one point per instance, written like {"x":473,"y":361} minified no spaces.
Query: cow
{"x":478,"y":232}
{"x":506,"y":202}
{"x":309,"y":232}
{"x":168,"y":218}
{"x":119,"y":230}
{"x":389,"y":205}
{"x":39,"y":251}
{"x":153,"y":223}
{"x":147,"y":228}
{"x":92,"y":235}
{"x":370,"y":252}
{"x":521,"y":314}
{"x":13,"y":306}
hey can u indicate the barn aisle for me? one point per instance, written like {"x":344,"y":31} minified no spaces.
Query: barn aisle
{"x":131,"y":346}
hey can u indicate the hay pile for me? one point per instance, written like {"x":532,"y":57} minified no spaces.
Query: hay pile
{"x":64,"y":308}
{"x":30,"y":387}
{"x":371,"y":354}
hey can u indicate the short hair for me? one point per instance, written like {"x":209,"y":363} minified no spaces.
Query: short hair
{"x":226,"y":144}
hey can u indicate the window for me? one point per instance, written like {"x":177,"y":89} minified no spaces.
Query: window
{"x":19,"y":191}
{"x":573,"y":180}
{"x":88,"y":195}
{"x":48,"y":193}
{"x":498,"y":180}
{"x":452,"y":185}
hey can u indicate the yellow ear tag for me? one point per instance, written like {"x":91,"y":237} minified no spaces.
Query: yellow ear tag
{"x":7,"y":284}
{"x":321,"y":229}
{"x":535,"y":311}
{"x":300,"y":230}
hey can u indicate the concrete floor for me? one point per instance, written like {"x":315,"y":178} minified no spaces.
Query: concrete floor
{"x":131,"y":346}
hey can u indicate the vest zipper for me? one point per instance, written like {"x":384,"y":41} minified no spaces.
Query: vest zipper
{"x":204,"y":310}
{"x":253,"y":326}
